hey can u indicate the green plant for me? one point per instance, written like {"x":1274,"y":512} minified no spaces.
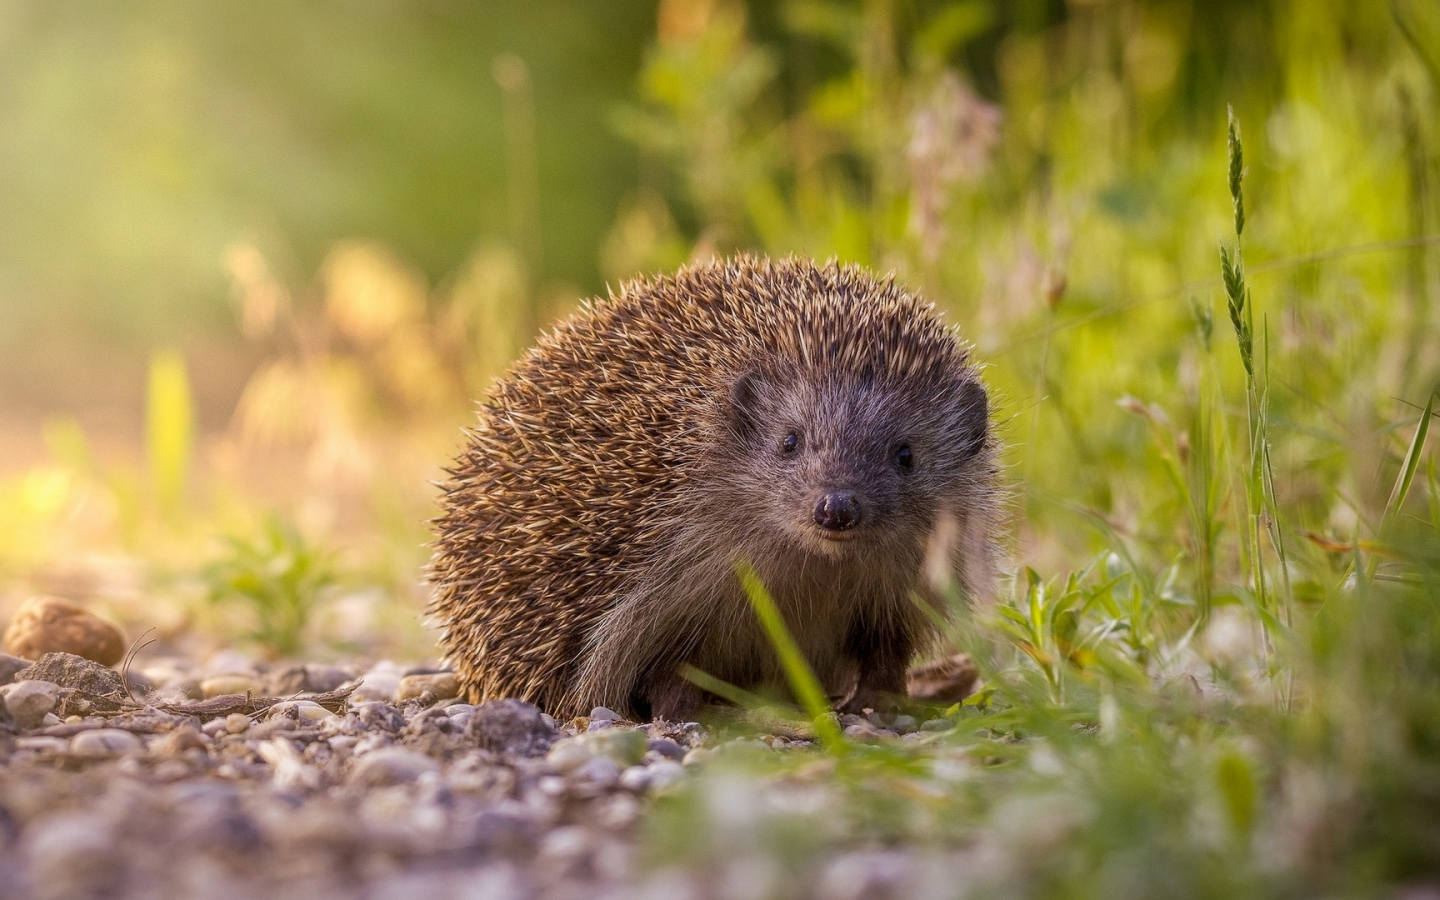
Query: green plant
{"x":276,"y":580}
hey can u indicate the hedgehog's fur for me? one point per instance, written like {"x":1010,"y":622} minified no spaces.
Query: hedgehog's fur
{"x":590,"y":532}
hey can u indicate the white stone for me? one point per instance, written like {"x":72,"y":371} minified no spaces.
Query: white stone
{"x":307,"y":711}
{"x":103,"y":742}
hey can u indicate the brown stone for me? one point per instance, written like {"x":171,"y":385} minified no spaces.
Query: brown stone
{"x":947,"y":680}
{"x":50,"y":625}
{"x":441,"y":684}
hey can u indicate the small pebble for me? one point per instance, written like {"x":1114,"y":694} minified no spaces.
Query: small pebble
{"x":236,"y":723}
{"x":42,"y":742}
{"x":565,"y":844}
{"x":377,"y":715}
{"x":380,"y":683}
{"x":390,"y":765}
{"x":904,"y":724}
{"x":936,"y":725}
{"x":697,"y":755}
{"x":229,"y":662}
{"x":321,"y":679}
{"x":602,"y":714}
{"x":28,"y":702}
{"x":308,"y":712}
{"x":441,"y":684}
{"x":219,"y":685}
{"x":626,"y":746}
{"x":510,"y":727}
{"x":666,"y":773}
{"x":666,"y":748}
{"x":103,"y":742}
{"x":371,"y":743}
{"x":598,"y":772}
{"x":182,"y":739}
{"x":635,"y":778}
{"x":568,"y":754}
{"x":9,"y":665}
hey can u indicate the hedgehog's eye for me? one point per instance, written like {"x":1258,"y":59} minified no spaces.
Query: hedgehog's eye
{"x":790,"y":444}
{"x":904,"y":457}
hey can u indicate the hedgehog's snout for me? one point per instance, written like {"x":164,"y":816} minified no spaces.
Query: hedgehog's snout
{"x":838,"y":511}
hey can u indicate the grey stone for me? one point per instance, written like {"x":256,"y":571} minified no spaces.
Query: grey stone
{"x":73,"y":854}
{"x":307,"y":679}
{"x":598,"y":771}
{"x":380,"y":683}
{"x":666,"y":773}
{"x":9,"y":665}
{"x":510,"y":727}
{"x":904,"y":724}
{"x":666,"y":748}
{"x":379,"y":715}
{"x":75,"y":672}
{"x":390,"y":765}
{"x":635,"y":778}
{"x":28,"y":702}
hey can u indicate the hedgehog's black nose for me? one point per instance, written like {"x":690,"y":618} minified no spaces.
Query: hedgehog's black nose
{"x":838,"y":511}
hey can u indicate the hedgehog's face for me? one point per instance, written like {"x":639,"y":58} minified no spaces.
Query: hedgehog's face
{"x":851,"y":465}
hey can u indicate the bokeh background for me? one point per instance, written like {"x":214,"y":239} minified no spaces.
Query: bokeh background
{"x":257,"y":259}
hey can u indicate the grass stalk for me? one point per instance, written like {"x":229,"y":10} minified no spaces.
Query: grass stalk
{"x":1262,"y":509}
{"x":802,"y":680}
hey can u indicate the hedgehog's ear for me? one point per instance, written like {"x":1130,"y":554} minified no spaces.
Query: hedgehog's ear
{"x":970,"y":407}
{"x":743,"y":404}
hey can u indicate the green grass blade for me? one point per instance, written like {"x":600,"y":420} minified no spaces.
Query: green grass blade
{"x":1411,"y":463}
{"x":802,"y":680}
{"x":722,"y":689}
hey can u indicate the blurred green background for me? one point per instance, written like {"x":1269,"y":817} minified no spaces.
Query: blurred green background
{"x":256,"y":259}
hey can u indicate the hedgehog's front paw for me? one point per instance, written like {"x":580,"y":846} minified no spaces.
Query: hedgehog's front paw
{"x":865,"y":700}
{"x":673,"y":699}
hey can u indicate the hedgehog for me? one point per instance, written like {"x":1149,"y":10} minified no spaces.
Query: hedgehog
{"x":817,"y":424}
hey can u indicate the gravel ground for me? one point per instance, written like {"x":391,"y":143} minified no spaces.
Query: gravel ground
{"x":228,"y":781}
